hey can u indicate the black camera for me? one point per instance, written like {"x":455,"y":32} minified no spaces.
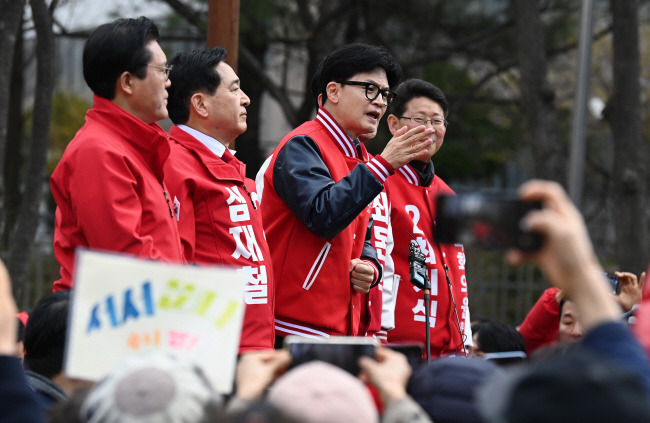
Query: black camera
{"x":485,"y":221}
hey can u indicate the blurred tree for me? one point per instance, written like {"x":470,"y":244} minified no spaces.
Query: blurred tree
{"x":13,"y":159}
{"x":537,"y":95}
{"x":22,"y":234}
{"x":10,"y":31}
{"x":623,"y":112}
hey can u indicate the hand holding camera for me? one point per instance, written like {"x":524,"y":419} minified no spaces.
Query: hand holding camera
{"x":566,"y":256}
{"x":485,"y":221}
{"x":630,"y":289}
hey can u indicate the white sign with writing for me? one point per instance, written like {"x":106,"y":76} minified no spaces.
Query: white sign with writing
{"x":123,"y":305}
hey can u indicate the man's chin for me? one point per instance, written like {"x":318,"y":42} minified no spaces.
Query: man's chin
{"x":425,"y":157}
{"x":420,"y":164}
{"x":367,"y":136}
{"x":162,"y":114}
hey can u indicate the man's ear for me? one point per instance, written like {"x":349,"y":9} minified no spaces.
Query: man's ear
{"x":332,"y":90}
{"x":197,"y":103}
{"x":393,"y":123}
{"x":124,"y":83}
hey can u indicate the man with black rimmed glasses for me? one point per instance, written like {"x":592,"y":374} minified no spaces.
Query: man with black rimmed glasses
{"x":317,"y":187}
{"x":108,"y":186}
{"x":412,"y":195}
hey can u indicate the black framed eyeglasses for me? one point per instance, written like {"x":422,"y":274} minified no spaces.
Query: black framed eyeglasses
{"x":166,"y":69}
{"x":373,"y":91}
{"x":423,"y":121}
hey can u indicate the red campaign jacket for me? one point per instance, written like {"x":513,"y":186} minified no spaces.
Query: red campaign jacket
{"x":220,"y":223}
{"x":542,"y":323}
{"x":109,"y":191}
{"x":413,"y":213}
{"x":381,"y":209}
{"x":315,"y":297}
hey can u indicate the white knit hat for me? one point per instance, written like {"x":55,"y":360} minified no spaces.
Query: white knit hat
{"x":156,"y":387}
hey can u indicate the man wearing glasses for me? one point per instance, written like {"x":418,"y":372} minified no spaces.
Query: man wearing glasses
{"x":412,"y":195}
{"x":317,"y":187}
{"x":108,"y":186}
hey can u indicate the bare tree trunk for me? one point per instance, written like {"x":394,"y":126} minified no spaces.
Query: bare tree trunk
{"x":537,"y":97}
{"x":623,"y":112}
{"x":14,"y":159}
{"x":21,"y":250}
{"x":10,"y":19}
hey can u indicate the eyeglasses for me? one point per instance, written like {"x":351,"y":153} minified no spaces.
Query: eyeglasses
{"x":422,"y":121}
{"x":373,"y":91}
{"x":165,"y":69}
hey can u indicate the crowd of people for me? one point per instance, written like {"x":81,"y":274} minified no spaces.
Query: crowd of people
{"x":323,"y":238}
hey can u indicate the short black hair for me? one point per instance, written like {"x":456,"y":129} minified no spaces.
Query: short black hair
{"x":45,"y":334}
{"x":499,"y":337}
{"x":192,"y":72}
{"x":412,"y":88}
{"x":349,"y":60}
{"x":561,"y":309}
{"x":117,"y":47}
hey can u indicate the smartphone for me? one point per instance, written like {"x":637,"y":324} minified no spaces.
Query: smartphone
{"x":505,"y":358}
{"x":414,"y":352}
{"x":485,"y":221}
{"x":614,"y":281}
{"x":341,"y":351}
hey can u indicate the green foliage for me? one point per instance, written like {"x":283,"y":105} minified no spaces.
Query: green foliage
{"x":262,"y":21}
{"x":483,"y":135}
{"x":175,"y":24}
{"x":68,"y":115}
{"x":560,"y":25}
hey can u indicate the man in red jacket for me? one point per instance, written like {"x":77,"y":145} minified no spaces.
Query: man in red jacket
{"x":318,"y":185}
{"x":217,"y":211}
{"x":412,"y":194}
{"x":108,"y":186}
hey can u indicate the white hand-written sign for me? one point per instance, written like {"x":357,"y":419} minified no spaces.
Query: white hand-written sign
{"x":123,"y":305}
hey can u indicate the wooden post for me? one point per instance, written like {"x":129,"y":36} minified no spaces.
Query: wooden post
{"x":223,"y":28}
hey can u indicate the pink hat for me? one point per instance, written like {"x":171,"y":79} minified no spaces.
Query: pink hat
{"x":319,"y":392}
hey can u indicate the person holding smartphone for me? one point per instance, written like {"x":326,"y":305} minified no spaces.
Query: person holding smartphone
{"x":570,"y":263}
